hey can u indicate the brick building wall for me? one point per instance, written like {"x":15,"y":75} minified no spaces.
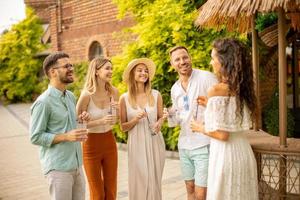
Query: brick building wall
{"x":41,"y":7}
{"x":75,"y":25}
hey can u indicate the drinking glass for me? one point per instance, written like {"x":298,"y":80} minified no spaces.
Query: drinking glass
{"x":198,"y":112}
{"x":81,"y":124}
{"x":150,"y":124}
{"x":112,"y":111}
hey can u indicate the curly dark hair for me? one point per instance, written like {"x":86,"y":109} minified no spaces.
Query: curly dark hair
{"x":237,"y":72}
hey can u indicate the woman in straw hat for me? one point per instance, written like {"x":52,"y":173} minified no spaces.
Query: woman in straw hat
{"x":141,"y":115}
{"x":99,"y":151}
{"x":230,"y":111}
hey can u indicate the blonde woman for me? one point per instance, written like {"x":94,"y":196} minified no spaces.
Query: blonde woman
{"x":141,"y":111}
{"x":99,"y":98}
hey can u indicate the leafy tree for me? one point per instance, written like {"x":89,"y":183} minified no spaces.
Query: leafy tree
{"x":160,"y":25}
{"x":19,"y":68}
{"x":265,"y":20}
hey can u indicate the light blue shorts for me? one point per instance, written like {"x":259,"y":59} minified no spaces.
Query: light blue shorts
{"x":194,"y":165}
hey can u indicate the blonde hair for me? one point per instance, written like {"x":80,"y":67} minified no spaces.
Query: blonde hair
{"x":132,"y":89}
{"x":91,"y":78}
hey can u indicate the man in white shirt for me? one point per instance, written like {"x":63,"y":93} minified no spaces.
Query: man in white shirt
{"x":193,"y":147}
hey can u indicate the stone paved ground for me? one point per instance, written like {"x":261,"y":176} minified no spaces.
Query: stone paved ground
{"x":20,"y":172}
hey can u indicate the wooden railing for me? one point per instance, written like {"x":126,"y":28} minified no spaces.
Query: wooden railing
{"x":278,"y":168}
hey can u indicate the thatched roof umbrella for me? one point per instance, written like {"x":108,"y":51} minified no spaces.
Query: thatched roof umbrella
{"x":237,"y":14}
{"x":240,"y":15}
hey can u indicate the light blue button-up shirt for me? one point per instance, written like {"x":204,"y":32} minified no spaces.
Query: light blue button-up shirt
{"x":54,"y":113}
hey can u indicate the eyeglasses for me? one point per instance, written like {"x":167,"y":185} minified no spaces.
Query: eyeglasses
{"x":186,"y":105}
{"x":66,"y":66}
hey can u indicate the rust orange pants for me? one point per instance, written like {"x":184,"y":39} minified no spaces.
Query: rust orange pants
{"x":100,"y":160}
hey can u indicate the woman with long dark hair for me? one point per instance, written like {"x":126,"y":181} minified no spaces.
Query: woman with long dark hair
{"x":230,"y":112}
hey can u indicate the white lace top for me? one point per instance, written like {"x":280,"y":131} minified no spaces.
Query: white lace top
{"x":220,"y":114}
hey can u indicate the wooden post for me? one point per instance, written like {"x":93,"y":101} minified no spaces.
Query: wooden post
{"x":282,"y":99}
{"x":255,"y":65}
{"x":282,"y":78}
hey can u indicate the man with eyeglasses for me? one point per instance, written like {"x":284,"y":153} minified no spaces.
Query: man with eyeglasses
{"x":53,"y":129}
{"x":193,"y":148}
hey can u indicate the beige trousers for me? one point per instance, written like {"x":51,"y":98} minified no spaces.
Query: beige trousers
{"x":66,"y":185}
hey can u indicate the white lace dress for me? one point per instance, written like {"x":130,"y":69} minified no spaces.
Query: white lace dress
{"x":232,"y":172}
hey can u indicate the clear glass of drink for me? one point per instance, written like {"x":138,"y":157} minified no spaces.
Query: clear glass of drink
{"x":112,"y":111}
{"x":81,"y":124}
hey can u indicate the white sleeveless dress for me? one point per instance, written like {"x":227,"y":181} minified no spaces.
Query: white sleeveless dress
{"x":232,"y":172}
{"x":146,"y":155}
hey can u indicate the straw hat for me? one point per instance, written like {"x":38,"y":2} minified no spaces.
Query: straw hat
{"x":146,"y":61}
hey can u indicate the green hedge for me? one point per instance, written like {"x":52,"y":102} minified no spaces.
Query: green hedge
{"x":265,"y":20}
{"x":271,"y":117}
{"x":19,"y":68}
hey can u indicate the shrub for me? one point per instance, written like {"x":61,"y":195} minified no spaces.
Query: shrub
{"x":80,"y":70}
{"x":19,"y":68}
{"x":265,"y":20}
{"x":271,"y":117}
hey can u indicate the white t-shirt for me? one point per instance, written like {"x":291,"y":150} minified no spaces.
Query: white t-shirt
{"x":184,"y":102}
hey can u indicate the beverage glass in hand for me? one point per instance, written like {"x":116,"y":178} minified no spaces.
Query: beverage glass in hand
{"x":152,"y":127}
{"x":112,"y":111}
{"x":114,"y":119}
{"x":198,"y":112}
{"x":81,"y":124}
{"x":172,"y":111}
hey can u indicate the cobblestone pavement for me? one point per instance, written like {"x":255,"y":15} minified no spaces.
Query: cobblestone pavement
{"x":21,"y":176}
